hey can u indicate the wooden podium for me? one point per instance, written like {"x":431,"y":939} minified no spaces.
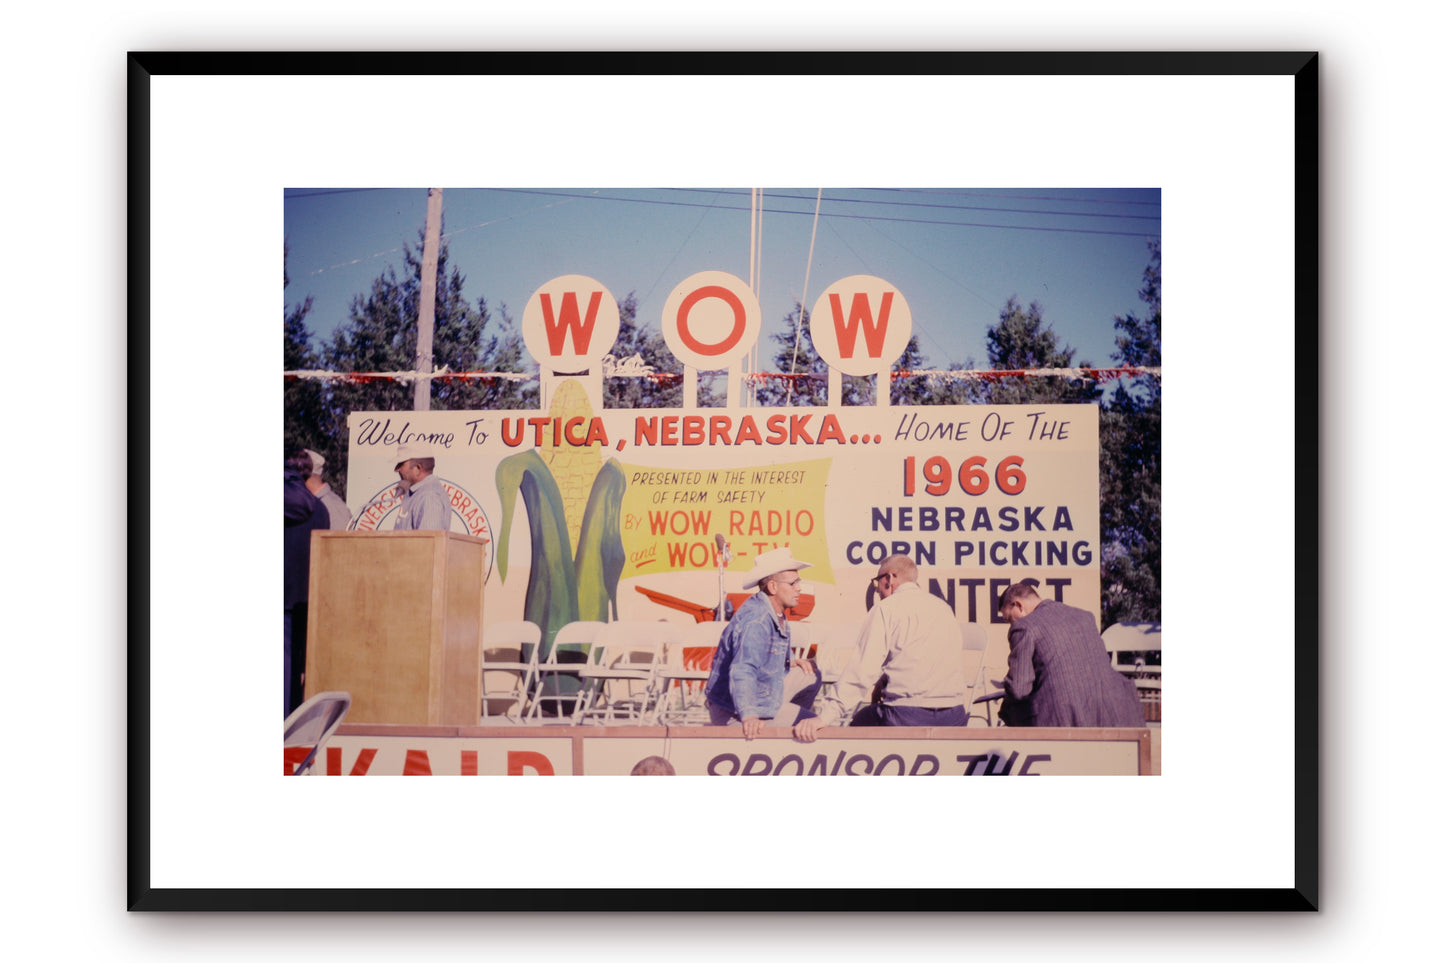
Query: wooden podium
{"x":396,"y":620}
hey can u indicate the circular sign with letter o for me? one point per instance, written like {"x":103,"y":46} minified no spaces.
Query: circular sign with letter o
{"x":570,"y":323}
{"x":860,"y":325}
{"x":710,"y":320}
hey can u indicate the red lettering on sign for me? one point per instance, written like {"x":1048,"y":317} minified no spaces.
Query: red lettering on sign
{"x":831,"y":430}
{"x":469,"y":762}
{"x":363,"y":762}
{"x":740,"y":320}
{"x":798,"y":428}
{"x":557,"y":328}
{"x":517,"y":760}
{"x":295,"y":756}
{"x":778,"y":428}
{"x":418,"y":763}
{"x":748,"y":431}
{"x":860,"y":314}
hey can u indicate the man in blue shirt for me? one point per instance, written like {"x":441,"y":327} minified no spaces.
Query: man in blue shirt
{"x":424,"y":503}
{"x":754,"y":679}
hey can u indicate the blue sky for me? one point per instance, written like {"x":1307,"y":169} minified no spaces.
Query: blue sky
{"x":956,"y":254}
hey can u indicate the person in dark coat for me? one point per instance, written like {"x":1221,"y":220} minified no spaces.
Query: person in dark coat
{"x":1059,"y":673}
{"x":304,"y":514}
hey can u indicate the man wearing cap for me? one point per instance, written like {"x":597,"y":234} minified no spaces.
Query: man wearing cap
{"x":754,"y":680}
{"x":424,"y":502}
{"x":912,"y":643}
{"x":1059,"y":673}
{"x":337,"y":512}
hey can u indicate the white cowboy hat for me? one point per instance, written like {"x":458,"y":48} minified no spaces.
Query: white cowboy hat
{"x":771,"y":563}
{"x":408,"y":452}
{"x":317,"y":462}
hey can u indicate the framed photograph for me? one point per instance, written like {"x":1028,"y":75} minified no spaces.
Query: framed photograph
{"x":979,"y":179}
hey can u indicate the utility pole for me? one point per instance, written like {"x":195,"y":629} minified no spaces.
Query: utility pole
{"x":426,"y":312}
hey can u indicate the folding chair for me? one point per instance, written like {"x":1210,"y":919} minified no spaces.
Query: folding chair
{"x":802,"y":639}
{"x":683,"y":671}
{"x":831,"y":649}
{"x":833,"y":646}
{"x":619,"y":677}
{"x":509,"y":666}
{"x":312,"y":724}
{"x":1137,"y":638}
{"x":557,"y":680}
{"x":975,"y":639}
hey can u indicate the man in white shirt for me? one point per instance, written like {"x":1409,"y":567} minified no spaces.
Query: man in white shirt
{"x":914,"y":639}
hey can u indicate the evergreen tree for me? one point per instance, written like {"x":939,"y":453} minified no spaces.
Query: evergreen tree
{"x":1130,"y":439}
{"x":303,"y":401}
{"x":917,"y":390}
{"x":381,"y":335}
{"x":958,"y":391}
{"x":634,"y":340}
{"x":1021,"y":340}
{"x":796,"y":356}
{"x":1139,"y":339}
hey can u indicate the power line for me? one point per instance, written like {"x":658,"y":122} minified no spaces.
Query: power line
{"x":676,"y":254}
{"x":951,"y":207}
{"x":343,"y":190}
{"x":716,"y":192}
{"x":866,"y":266}
{"x":992,"y":304}
{"x":1016,"y":197}
{"x":855,"y":217}
{"x":446,"y":236}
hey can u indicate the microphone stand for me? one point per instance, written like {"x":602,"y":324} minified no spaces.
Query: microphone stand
{"x":724,"y":555}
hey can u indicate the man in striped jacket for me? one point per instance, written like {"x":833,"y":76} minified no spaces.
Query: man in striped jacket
{"x":1059,"y":673}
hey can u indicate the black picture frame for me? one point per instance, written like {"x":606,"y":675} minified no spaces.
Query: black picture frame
{"x":1302,"y":894}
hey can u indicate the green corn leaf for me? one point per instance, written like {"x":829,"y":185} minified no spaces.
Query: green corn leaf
{"x":551,"y":599}
{"x":600,"y":555}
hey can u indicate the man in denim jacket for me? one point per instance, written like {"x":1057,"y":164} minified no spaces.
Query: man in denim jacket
{"x":751,"y":680}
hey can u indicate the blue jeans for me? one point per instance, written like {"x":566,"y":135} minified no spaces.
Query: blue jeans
{"x":883,"y":714}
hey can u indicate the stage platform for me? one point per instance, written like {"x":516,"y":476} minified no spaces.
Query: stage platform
{"x":567,"y":750}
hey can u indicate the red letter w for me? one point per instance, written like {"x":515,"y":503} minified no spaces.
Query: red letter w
{"x":860,"y":312}
{"x":556,"y":328}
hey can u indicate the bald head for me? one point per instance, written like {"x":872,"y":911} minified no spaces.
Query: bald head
{"x":893,"y":571}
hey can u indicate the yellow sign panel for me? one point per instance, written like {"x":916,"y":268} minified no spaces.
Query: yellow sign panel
{"x":672,"y":518}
